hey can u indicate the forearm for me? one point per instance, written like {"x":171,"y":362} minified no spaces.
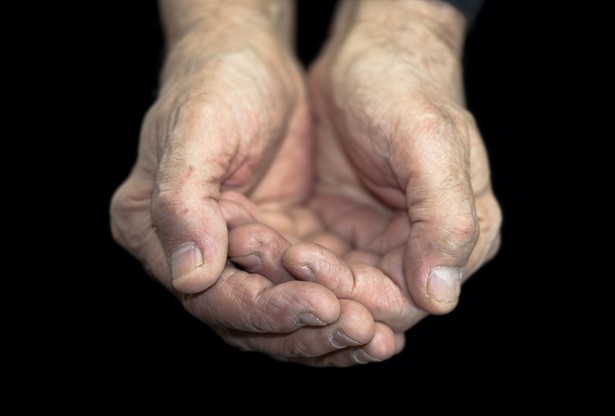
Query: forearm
{"x":182,"y":17}
{"x":422,"y":40}
{"x":406,"y":21}
{"x":197,"y":31}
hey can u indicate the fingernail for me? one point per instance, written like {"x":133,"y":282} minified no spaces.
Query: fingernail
{"x":300,"y":271}
{"x":308,"y":318}
{"x":361,"y":357}
{"x":184,"y":260}
{"x":249,"y":263}
{"x":339,"y":340}
{"x":444,"y":284}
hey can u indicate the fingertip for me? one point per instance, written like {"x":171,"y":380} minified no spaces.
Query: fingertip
{"x":384,"y":345}
{"x":190,"y":274}
{"x":440,"y":294}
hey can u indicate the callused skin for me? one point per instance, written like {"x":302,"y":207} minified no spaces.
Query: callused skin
{"x":395,"y":137}
{"x":310,"y":217}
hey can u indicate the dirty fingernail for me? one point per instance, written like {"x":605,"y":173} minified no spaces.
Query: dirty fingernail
{"x":340,"y":340}
{"x":250,"y":263}
{"x":308,"y":318}
{"x":361,"y":357}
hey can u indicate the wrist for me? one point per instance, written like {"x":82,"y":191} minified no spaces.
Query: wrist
{"x":404,"y":22}
{"x":199,"y":31}
{"x":215,"y":19}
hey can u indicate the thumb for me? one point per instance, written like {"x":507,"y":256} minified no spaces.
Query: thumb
{"x":440,"y":244}
{"x":444,"y":231}
{"x":187,"y":216}
{"x":193,"y":233}
{"x":180,"y":241}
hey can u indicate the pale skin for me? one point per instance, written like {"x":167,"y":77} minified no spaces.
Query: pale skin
{"x":310,"y":217}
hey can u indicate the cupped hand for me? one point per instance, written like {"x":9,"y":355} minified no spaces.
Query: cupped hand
{"x":403,"y":211}
{"x":228,"y":114}
{"x":404,"y":202}
{"x":296,"y":245}
{"x":396,"y":142}
{"x":231,"y":118}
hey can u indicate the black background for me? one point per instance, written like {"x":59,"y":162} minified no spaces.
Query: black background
{"x":485,"y":328}
{"x":116,"y":329}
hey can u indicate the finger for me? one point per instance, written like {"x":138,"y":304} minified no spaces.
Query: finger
{"x":338,"y":344}
{"x":382,"y":295}
{"x":252,"y":303}
{"x":259,"y":249}
{"x":194,"y":264}
{"x":194,"y":161}
{"x":384,"y":345}
{"x":195,"y":234}
{"x":444,"y":227}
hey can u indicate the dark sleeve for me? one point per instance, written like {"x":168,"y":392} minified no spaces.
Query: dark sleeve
{"x":469,"y":8}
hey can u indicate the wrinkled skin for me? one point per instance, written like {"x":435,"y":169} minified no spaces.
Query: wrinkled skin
{"x":395,"y":138}
{"x":403,"y":184}
{"x":307,"y":232}
{"x":208,"y":133}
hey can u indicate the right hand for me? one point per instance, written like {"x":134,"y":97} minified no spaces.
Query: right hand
{"x":231,"y":115}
